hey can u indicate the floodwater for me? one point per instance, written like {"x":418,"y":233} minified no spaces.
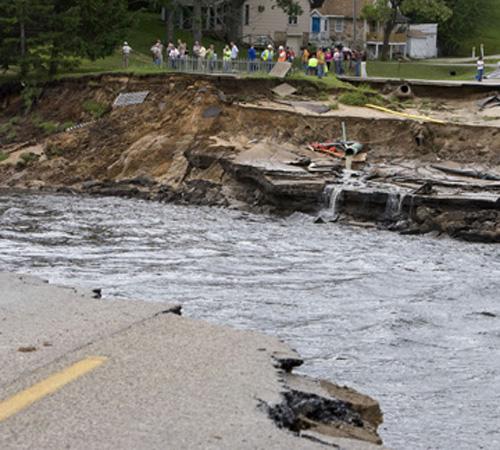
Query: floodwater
{"x":412,"y":321}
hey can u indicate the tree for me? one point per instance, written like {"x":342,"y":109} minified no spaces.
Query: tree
{"x":466,"y":19}
{"x":388,"y":13}
{"x":39,"y":36}
{"x":17,"y":19}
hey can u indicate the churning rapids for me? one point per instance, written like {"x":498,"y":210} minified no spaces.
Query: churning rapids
{"x":412,"y":321}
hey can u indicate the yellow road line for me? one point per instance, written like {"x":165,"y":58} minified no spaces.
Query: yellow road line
{"x":25,"y":398}
{"x":409,"y":116}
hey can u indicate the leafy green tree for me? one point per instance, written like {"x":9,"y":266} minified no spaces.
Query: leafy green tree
{"x":40,"y":36}
{"x":464,"y":23}
{"x":388,"y":13}
{"x":17,"y":40}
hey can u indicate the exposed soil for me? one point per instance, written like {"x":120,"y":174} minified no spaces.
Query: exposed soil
{"x":228,"y":142}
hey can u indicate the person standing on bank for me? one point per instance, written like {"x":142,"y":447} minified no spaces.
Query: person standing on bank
{"x":252,"y":56}
{"x":320,"y":56}
{"x":126,"y":50}
{"x":226,"y":58}
{"x":305,"y":59}
{"x":364,"y":73}
{"x":480,"y":69}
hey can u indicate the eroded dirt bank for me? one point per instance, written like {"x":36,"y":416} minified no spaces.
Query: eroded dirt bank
{"x":229,"y":142}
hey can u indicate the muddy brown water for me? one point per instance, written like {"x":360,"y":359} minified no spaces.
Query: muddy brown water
{"x":412,"y":321}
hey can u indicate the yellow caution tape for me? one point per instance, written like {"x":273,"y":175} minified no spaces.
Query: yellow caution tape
{"x":409,"y":116}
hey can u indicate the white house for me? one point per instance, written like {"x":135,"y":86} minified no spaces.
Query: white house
{"x":263,"y":21}
{"x":422,"y":41}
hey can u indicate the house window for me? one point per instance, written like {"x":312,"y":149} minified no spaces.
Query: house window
{"x":293,"y":20}
{"x":247,"y":14}
{"x":339,"y":25}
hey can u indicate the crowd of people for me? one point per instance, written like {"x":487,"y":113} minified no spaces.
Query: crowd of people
{"x":339,"y":60}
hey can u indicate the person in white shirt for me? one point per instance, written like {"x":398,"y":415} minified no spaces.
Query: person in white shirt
{"x":126,"y":50}
{"x":234,"y":51}
{"x":203,"y":55}
{"x":173,"y":56}
{"x":480,"y":69}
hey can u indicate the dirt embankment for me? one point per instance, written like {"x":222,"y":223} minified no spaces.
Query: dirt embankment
{"x":223,"y":141}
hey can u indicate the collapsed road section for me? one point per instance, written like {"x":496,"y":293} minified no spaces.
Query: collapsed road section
{"x":426,"y":165}
{"x":84,"y":373}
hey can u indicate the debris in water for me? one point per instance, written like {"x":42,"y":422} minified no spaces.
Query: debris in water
{"x":487,"y":314}
{"x":29,"y":349}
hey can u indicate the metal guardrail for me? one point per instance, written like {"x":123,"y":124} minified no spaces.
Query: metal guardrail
{"x":199,"y":65}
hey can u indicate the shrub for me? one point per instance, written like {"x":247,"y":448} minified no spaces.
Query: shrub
{"x":11,"y":136}
{"x":67,"y":125}
{"x":7,"y":131}
{"x":30,"y":95}
{"x":53,"y":151}
{"x":48,"y":127}
{"x":95,"y":109}
{"x":361,"y":96}
{"x":354,"y":98}
{"x":29,"y":157}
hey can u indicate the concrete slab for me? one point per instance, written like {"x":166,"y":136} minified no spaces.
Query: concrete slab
{"x":281,"y":69}
{"x":130,"y":98}
{"x":284,"y":90}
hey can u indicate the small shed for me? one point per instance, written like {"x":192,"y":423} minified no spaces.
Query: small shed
{"x":422,"y":40}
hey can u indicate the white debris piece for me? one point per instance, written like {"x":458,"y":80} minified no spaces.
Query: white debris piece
{"x":131,"y":98}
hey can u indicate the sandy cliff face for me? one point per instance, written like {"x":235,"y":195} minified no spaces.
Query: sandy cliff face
{"x":228,"y":142}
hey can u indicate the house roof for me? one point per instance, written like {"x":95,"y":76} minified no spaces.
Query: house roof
{"x":342,"y":7}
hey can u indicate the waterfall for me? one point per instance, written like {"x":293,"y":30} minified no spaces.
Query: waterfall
{"x":394,"y":204}
{"x":334,"y":194}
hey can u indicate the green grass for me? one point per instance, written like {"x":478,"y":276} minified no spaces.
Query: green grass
{"x":3,"y":156}
{"x":360,"y":97}
{"x":425,"y":71}
{"x":328,"y":82}
{"x":146,"y":29}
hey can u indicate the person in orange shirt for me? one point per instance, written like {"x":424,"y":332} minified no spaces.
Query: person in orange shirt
{"x":320,"y":54}
{"x":281,"y":54}
{"x":305,"y":59}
